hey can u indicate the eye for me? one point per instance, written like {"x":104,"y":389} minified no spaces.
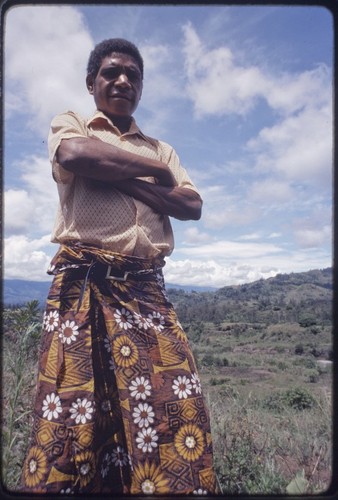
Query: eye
{"x":133,"y":75}
{"x":111,"y":73}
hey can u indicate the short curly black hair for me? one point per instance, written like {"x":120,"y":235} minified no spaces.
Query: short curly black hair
{"x":106,"y":47}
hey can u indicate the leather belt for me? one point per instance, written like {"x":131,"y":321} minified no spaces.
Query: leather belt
{"x":141,"y":274}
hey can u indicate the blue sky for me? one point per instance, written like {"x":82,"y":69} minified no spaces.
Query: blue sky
{"x":243,"y":93}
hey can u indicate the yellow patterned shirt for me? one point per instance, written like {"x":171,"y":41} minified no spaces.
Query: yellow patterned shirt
{"x":94,"y":214}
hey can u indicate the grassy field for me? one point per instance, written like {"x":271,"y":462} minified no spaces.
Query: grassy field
{"x":268,"y":388}
{"x":269,"y":395}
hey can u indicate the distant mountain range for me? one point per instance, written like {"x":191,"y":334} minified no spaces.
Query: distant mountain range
{"x":290,"y":297}
{"x":18,"y":292}
{"x":295,"y":286}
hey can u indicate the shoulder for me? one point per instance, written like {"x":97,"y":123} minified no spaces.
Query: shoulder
{"x":69,"y":122}
{"x":69,"y":117}
{"x":165,"y":150}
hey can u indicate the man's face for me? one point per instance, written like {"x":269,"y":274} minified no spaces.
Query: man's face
{"x":117,"y":87}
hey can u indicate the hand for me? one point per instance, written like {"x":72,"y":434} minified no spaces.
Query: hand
{"x":165,"y":177}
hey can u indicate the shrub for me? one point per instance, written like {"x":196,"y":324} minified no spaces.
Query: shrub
{"x":313,"y":377}
{"x":225,"y":362}
{"x":296,"y":398}
{"x":218,"y":381}
{"x":299,"y":349}
{"x":299,"y":398}
{"x":307,"y":320}
{"x":208,"y":359}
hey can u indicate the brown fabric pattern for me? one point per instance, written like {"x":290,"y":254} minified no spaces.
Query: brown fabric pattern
{"x":119,"y":405}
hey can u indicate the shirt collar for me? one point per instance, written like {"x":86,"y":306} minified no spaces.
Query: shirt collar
{"x":133,"y":130}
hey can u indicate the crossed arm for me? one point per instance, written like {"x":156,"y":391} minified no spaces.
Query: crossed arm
{"x":98,"y":160}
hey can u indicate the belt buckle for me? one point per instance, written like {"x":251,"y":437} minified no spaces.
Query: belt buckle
{"x":116,"y":278}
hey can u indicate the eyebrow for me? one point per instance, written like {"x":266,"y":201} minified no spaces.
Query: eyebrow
{"x":117,"y":65}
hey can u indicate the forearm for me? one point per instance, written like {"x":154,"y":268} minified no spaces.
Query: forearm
{"x":178,"y":202}
{"x":96,"y":159}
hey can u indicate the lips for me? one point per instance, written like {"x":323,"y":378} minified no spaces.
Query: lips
{"x":120,"y":96}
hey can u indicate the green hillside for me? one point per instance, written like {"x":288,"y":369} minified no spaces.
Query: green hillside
{"x":286,"y":297}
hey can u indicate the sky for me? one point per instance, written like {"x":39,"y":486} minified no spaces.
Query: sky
{"x":243,"y":94}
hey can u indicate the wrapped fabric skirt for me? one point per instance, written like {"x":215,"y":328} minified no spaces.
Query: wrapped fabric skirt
{"x":119,"y":405}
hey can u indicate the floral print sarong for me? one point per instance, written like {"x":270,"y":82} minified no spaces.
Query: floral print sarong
{"x":119,"y":405}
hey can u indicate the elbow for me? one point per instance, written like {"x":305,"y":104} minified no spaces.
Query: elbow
{"x":67,"y":153}
{"x":193,"y":210}
{"x":196,"y":213}
{"x":196,"y":209}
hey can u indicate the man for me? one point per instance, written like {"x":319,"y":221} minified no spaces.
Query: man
{"x":119,"y":406}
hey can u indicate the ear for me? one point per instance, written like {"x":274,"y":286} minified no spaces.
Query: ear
{"x":90,"y":83}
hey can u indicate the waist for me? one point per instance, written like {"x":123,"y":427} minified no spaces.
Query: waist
{"x":105,"y":264}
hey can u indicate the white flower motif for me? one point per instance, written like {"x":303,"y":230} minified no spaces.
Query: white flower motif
{"x":124,"y":318}
{"x":51,"y":321}
{"x":105,"y":465}
{"x":200,"y":491}
{"x":51,"y":406}
{"x":67,"y":491}
{"x":148,"y":487}
{"x":81,"y":411}
{"x":146,"y":439}
{"x":157,"y":320}
{"x":130,"y":462}
{"x":182,"y":387}
{"x":69,"y":332}
{"x":196,"y":383}
{"x":119,"y":457}
{"x":107,"y":344}
{"x":140,"y":388}
{"x":105,"y":405}
{"x":143,"y":415}
{"x":142,"y":322}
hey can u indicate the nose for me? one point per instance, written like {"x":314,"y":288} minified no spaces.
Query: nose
{"x":122,"y":80}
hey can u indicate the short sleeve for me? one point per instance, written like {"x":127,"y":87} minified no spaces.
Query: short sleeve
{"x":170,"y":157}
{"x":64,"y":126}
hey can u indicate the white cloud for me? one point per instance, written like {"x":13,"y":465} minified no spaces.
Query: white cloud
{"x":27,"y":259}
{"x":250,"y":237}
{"x":289,"y":93}
{"x":270,"y":191}
{"x":315,"y":230}
{"x":160,"y":88}
{"x":231,"y":250}
{"x":46,"y":53}
{"x":213,"y":273}
{"x":288,"y":162}
{"x":313,"y":238}
{"x":215,"y":270}
{"x":299,"y":147}
{"x":18,"y":210}
{"x":33,"y":207}
{"x":215,"y":83}
{"x":230,"y":211}
{"x":192,"y":236}
{"x":220,"y":84}
{"x":225,"y":205}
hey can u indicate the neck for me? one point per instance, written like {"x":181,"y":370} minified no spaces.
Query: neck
{"x":121,"y":122}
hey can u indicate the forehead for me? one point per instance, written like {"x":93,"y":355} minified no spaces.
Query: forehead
{"x":118,"y":59}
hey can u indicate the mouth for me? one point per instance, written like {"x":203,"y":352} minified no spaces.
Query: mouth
{"x":120,"y":96}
